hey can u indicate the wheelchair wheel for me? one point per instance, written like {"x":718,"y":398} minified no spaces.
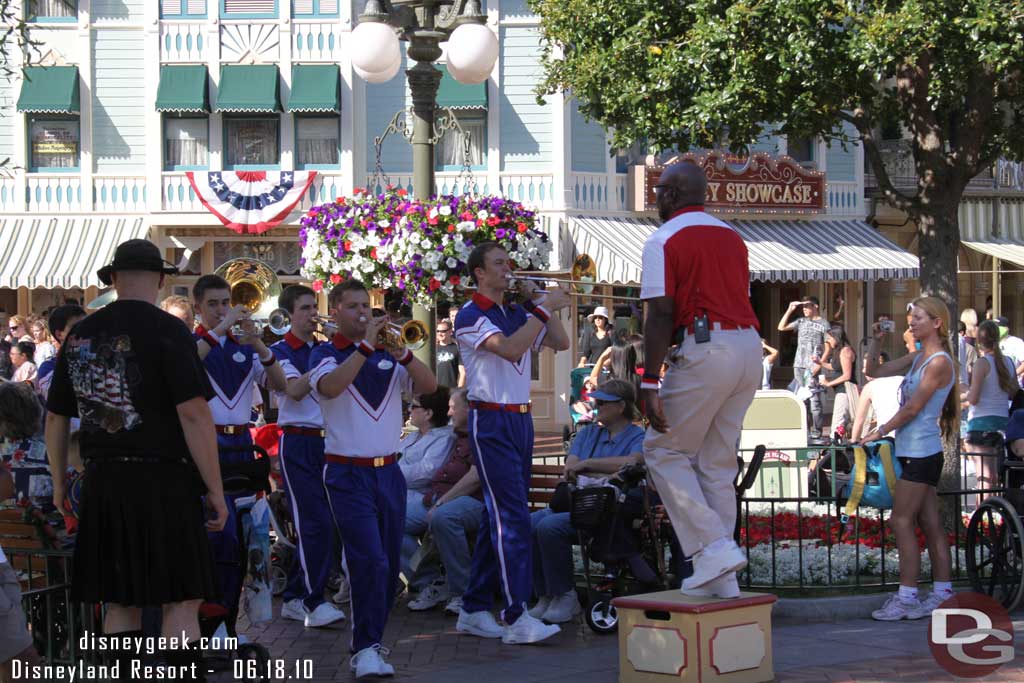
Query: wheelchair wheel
{"x":253,"y":652}
{"x":995,"y":542}
{"x":601,"y":616}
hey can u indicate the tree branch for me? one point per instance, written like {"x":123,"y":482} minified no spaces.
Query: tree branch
{"x":860,"y":121}
{"x":912,"y":91}
{"x":979,"y":104}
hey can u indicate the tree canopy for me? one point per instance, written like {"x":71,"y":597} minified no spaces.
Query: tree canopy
{"x":701,"y":73}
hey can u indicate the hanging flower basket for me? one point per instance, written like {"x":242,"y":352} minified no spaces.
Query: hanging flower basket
{"x":418,"y":246}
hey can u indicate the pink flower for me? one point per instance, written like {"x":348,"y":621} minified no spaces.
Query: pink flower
{"x":335,"y":278}
{"x":318,"y":285}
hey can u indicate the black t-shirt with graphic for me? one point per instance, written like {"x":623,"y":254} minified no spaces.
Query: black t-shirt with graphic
{"x":123,"y":370}
{"x":448,"y":362}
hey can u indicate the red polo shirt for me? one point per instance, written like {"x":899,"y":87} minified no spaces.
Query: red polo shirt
{"x":701,"y":262}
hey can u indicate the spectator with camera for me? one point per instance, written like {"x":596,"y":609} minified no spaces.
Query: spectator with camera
{"x":810,"y":345}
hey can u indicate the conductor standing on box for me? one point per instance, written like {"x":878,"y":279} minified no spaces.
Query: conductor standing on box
{"x":696,"y":282}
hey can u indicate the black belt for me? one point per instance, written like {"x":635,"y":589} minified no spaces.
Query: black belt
{"x":137,"y":459}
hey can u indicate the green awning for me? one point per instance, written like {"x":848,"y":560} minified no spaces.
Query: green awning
{"x":249,"y":89}
{"x":49,"y":90}
{"x":315,"y":88}
{"x":459,"y":96}
{"x":183,"y":89}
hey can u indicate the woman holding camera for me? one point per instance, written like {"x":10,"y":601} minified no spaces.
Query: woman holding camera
{"x":929,"y":413}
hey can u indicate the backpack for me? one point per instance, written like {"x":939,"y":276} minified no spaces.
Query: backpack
{"x":874,"y":475}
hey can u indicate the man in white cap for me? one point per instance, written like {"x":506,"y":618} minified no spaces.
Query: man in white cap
{"x":596,"y":340}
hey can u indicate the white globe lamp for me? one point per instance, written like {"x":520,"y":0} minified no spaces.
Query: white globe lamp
{"x":472,"y":51}
{"x":374,"y":47}
{"x":470,"y":76}
{"x":379,"y":76}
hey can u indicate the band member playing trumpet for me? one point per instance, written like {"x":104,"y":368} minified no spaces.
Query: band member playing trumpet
{"x":301,"y":455}
{"x":496,"y":341}
{"x":233,"y":365}
{"x":359,"y":387}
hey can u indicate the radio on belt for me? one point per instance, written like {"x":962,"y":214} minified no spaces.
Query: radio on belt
{"x":701,"y":329}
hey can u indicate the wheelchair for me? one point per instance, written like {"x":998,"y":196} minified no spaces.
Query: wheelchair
{"x":995,"y":532}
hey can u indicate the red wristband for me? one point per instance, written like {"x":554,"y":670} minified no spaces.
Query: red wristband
{"x":406,"y":358}
{"x":268,"y":363}
{"x":537,"y":311}
{"x":365,"y":348}
{"x":648,"y":383}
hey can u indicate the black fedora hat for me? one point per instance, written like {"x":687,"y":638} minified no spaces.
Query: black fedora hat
{"x":136,"y":255}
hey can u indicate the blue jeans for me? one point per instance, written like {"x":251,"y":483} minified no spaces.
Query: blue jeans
{"x":448,"y":525}
{"x":553,"y":538}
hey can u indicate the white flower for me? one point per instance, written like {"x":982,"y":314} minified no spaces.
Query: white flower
{"x":451,"y":263}
{"x":466,"y":226}
{"x":445,"y":210}
{"x":384,"y":223}
{"x":482,"y":215}
{"x":433,"y":213}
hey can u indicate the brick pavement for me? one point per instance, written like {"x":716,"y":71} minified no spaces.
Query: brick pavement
{"x":426,"y":648}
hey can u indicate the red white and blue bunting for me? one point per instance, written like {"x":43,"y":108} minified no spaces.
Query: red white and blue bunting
{"x":250,"y":202}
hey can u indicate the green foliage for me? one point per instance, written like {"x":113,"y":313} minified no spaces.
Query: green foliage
{"x":712,"y":72}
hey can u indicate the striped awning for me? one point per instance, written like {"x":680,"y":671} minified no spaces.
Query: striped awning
{"x":61,"y":252}
{"x":779,"y":251}
{"x":1007,"y":250}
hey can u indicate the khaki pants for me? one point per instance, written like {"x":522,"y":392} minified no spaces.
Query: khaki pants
{"x":705,"y":394}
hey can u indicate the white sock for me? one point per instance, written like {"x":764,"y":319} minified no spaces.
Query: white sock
{"x":943,"y":587}
{"x":908,"y":593}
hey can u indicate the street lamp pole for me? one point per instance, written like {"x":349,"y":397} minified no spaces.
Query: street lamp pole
{"x":425,"y":24}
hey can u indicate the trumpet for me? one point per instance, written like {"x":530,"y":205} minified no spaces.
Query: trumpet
{"x":412,"y":335}
{"x":279,"y":321}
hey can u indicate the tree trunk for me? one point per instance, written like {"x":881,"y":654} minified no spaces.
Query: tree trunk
{"x":938,"y":245}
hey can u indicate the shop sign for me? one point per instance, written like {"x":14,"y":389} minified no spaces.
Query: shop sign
{"x":760,"y":183}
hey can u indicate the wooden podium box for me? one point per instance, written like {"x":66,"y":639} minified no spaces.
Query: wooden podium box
{"x":670,"y":636}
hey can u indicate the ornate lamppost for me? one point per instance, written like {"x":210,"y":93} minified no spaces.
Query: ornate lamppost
{"x":424,"y":24}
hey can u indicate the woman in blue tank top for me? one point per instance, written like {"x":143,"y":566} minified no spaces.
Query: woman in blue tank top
{"x":929,"y":412}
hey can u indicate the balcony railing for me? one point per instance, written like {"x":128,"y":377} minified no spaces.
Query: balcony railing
{"x":1004,"y":176}
{"x":119,"y":194}
{"x":57,"y":193}
{"x":317,"y":41}
{"x":182,"y":41}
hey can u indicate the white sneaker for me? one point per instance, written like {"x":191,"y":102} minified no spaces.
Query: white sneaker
{"x":527,"y":629}
{"x":713,"y":562}
{"x":454,"y":605}
{"x":481,"y":624}
{"x":562,"y":609}
{"x":541,"y":607}
{"x":370,"y":662}
{"x":928,"y":604}
{"x":895,"y":609}
{"x":725,"y":586}
{"x":324,"y":614}
{"x":429,"y":598}
{"x":294,"y":610}
{"x":344,"y":593}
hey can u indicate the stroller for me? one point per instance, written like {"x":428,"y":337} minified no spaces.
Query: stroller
{"x":576,"y":380}
{"x":283,"y":551}
{"x":245,"y":483}
{"x":620,"y":525}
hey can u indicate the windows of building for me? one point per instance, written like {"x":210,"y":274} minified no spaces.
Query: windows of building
{"x":52,"y":10}
{"x":801,"y":149}
{"x":303,"y":9}
{"x":183,"y":9}
{"x":317,"y":142}
{"x":450,"y":153}
{"x":53,"y":143}
{"x":252,"y":142}
{"x":186,"y":142}
{"x":248,"y":9}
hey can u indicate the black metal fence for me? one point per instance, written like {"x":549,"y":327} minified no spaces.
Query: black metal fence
{"x":57,"y":624}
{"x":802,"y":541}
